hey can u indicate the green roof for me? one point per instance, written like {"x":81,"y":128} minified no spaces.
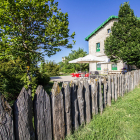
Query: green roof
{"x":111,"y":17}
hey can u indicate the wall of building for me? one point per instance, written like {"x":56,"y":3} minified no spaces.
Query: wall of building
{"x":100,"y":37}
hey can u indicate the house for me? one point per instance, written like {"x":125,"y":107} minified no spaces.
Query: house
{"x":96,"y":47}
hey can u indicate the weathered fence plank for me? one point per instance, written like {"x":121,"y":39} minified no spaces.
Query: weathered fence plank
{"x":124,"y":87}
{"x":93,"y":96}
{"x":109,"y":91}
{"x":132,"y":80}
{"x":100,"y":97}
{"x":120,"y":85}
{"x":87,"y":101}
{"x":113,"y":87}
{"x":42,"y":115}
{"x":128,"y":81}
{"x":116,"y":88}
{"x":96,"y":96}
{"x":6,"y":120}
{"x":81,"y":102}
{"x":135,"y":79}
{"x":74,"y":106}
{"x":23,"y":116}
{"x":118,"y":76}
{"x":58,"y":113}
{"x":105,"y":92}
{"x":67,"y":104}
{"x":126,"y":84}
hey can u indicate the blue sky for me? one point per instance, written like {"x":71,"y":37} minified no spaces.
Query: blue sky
{"x":85,"y":16}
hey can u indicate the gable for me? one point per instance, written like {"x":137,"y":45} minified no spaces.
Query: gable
{"x":102,"y":25}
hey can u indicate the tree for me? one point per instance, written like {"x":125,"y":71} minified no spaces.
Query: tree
{"x":72,"y":67}
{"x":28,"y":26}
{"x":124,"y":41}
{"x":50,"y":68}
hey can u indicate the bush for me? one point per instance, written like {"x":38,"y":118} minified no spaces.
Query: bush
{"x":43,"y":79}
{"x":11,"y":86}
{"x":50,"y":68}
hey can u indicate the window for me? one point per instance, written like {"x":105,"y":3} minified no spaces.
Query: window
{"x":98,"y":66}
{"x":114,"y":66}
{"x":97,"y":47}
{"x":108,"y":30}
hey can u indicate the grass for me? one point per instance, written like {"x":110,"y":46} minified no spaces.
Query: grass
{"x":120,"y":121}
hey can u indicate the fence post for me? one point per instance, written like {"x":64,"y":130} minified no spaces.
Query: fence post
{"x":126,"y":82}
{"x":122,"y":84}
{"x":42,"y":115}
{"x":93,"y":96}
{"x":96,"y":94}
{"x":100,"y":97}
{"x":113,"y":87}
{"x":105,"y":91}
{"x":58,"y":113}
{"x":87,"y":101}
{"x":23,"y":116}
{"x":129,"y":82}
{"x":116,"y":87}
{"x":137,"y":77}
{"x":6,"y":120}
{"x":74,"y":106}
{"x":109,"y":91}
{"x":67,"y":107}
{"x":81,"y":102}
{"x":132,"y":80}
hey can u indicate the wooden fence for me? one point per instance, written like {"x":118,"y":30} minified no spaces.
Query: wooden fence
{"x":55,"y":116}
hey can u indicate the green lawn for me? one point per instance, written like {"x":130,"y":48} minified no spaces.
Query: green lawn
{"x":121,"y":121}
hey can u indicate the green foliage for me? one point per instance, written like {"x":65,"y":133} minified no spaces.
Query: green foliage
{"x":50,"y":68}
{"x":14,"y":77}
{"x":11,"y":71}
{"x":124,"y":41}
{"x":43,"y":79}
{"x":33,"y":25}
{"x":26,"y":28}
{"x":73,"y":67}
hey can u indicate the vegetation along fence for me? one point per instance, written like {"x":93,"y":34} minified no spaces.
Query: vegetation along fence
{"x":54,"y":116}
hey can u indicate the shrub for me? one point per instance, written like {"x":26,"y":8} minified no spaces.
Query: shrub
{"x":43,"y":79}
